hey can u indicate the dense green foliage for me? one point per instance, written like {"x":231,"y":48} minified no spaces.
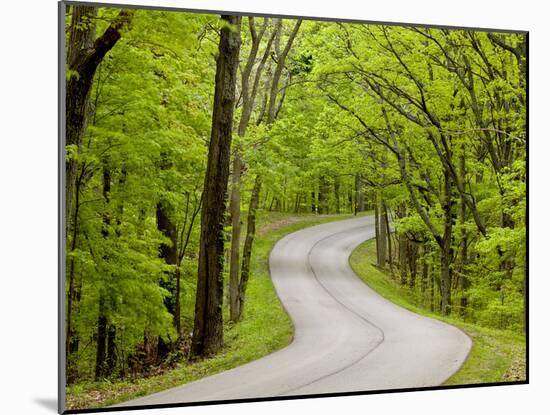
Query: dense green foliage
{"x":443,"y":114}
{"x":146,"y":137}
{"x":265,"y":329}
{"x":426,"y":127}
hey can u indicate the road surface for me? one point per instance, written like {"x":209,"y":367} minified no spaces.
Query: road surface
{"x":347,"y":337}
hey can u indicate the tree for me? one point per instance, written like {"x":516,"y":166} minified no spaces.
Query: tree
{"x":208,"y":326}
{"x":434,"y":91}
{"x":144,"y":133}
{"x":84,"y":53}
{"x":237,"y":286}
{"x":248,"y":98}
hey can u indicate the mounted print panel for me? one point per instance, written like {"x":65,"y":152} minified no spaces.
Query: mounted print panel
{"x":263,"y":207}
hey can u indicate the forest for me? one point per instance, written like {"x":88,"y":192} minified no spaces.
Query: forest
{"x":183,"y":130}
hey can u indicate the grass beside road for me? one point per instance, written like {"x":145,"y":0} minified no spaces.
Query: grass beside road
{"x":264,"y":329}
{"x":496,"y":355}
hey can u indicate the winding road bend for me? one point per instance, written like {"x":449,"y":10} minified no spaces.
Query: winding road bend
{"x":347,"y":337}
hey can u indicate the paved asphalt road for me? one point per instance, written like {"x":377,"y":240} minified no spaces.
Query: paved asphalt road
{"x":347,"y":337}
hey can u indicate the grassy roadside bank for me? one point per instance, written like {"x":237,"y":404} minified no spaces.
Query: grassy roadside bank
{"x":496,"y":355}
{"x":264,"y":329}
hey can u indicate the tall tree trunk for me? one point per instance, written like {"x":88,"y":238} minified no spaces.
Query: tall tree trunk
{"x":359,"y":195}
{"x":361,"y":201}
{"x":323,"y":195}
{"x":432,"y":292}
{"x":249,"y":97}
{"x":403,"y":248}
{"x":249,"y":240}
{"x":445,"y":285}
{"x":177,"y":305}
{"x":101,"y":351}
{"x":185,"y":237}
{"x":403,"y":260}
{"x":235,"y":210}
{"x":73,"y":295}
{"x":413,"y":252}
{"x":337,"y":194}
{"x":463,"y":284}
{"x":208,"y":324}
{"x":506,"y":264}
{"x":446,"y":248}
{"x":383,"y":252}
{"x":111,"y":358}
{"x":388,"y":234}
{"x":425,"y":274}
{"x":168,"y":252}
{"x":84,"y":54}
{"x":273,"y":109}
{"x":377,"y":228}
{"x":286,"y":199}
{"x":81,"y":37}
{"x":264,"y":202}
{"x":297,"y":202}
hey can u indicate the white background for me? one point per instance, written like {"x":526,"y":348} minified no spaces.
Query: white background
{"x":28,"y":203}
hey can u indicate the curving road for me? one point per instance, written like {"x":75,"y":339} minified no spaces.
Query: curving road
{"x":347,"y":337}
